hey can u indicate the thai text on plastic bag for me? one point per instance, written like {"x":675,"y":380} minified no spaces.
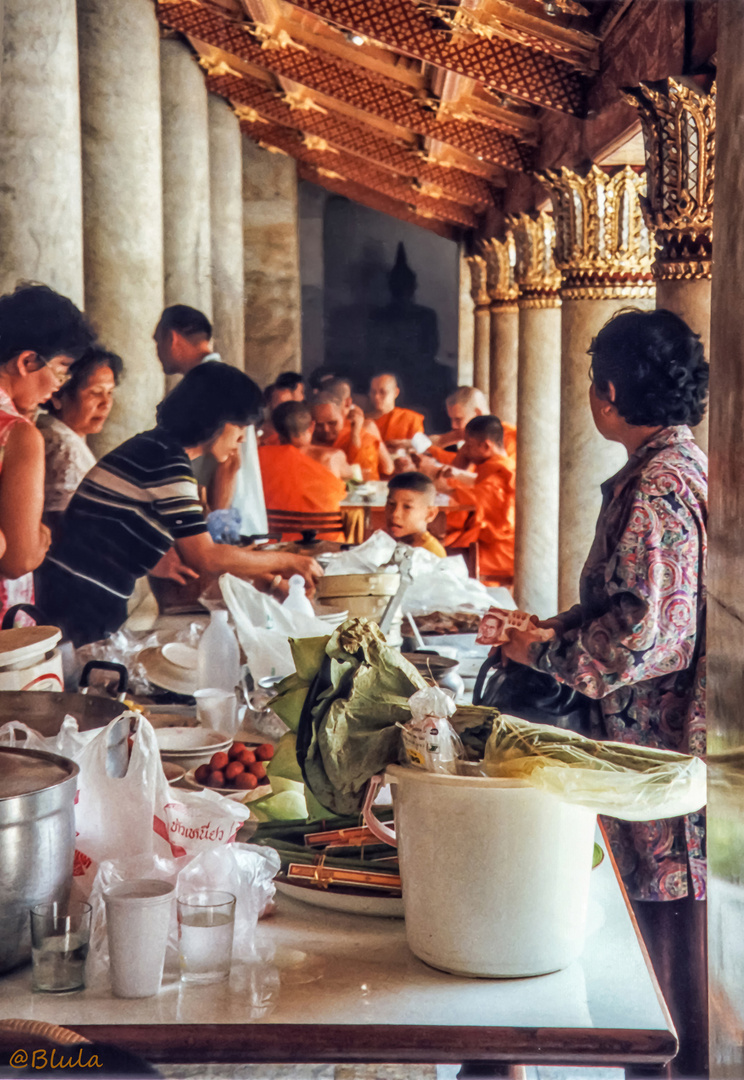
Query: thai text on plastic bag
{"x":245,"y":870}
{"x":126,"y":807}
{"x":633,"y":783}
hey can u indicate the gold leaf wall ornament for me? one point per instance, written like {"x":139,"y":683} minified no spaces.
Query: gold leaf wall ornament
{"x":602,"y":245}
{"x":679,"y":129}
{"x":501,"y":258}
{"x":478,"y":276}
{"x":314,"y":142}
{"x":535,"y":271}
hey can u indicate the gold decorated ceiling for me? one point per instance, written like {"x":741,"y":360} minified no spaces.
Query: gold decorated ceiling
{"x":424,"y":109}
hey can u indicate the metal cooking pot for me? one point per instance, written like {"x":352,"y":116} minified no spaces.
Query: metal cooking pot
{"x":37,"y":841}
{"x":44,"y":710}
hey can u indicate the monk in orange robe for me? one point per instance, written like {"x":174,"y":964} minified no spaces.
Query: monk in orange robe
{"x":273,"y":397}
{"x":463,"y":405}
{"x":341,"y":389}
{"x":332,"y":430}
{"x":396,"y":425}
{"x":292,"y":479}
{"x":488,"y":484}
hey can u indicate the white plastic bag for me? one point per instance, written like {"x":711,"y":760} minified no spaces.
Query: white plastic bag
{"x":444,"y":585}
{"x":125,"y":806}
{"x":375,"y":552}
{"x":429,"y":739}
{"x":249,"y":493}
{"x":69,"y":741}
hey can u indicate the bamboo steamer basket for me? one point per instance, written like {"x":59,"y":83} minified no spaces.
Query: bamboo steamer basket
{"x":362,"y":595}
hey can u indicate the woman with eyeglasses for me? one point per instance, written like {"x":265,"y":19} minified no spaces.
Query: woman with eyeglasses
{"x":41,"y":335}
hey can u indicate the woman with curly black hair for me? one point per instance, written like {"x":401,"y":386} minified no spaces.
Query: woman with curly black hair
{"x":635,"y":644}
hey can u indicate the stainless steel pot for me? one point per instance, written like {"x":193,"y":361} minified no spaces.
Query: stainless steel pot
{"x":37,"y":841}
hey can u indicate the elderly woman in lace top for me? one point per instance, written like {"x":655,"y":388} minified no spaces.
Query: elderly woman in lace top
{"x":635,"y":643}
{"x":78,"y":408}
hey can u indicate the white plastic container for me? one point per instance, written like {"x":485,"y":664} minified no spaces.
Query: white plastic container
{"x":218,"y":655}
{"x":495,"y":873}
{"x":138,"y":915}
{"x":297,"y":599}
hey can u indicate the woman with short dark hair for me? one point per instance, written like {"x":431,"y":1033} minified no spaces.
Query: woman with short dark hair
{"x":142,"y":498}
{"x":635,"y":644}
{"x":78,"y":408}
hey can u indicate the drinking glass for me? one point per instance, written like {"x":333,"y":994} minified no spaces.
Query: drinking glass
{"x":206,"y":921}
{"x":59,"y":945}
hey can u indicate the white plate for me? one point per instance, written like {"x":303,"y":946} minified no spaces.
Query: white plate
{"x":164,"y":673}
{"x":230,"y":793}
{"x":181,"y":655}
{"x":390,"y":907}
{"x":185,"y":740}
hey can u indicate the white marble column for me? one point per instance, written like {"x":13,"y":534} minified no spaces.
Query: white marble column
{"x":502,"y":290}
{"x":481,"y":323}
{"x":226,"y":200}
{"x":186,"y":207}
{"x":603,"y":253}
{"x":122,"y":199}
{"x":40,"y":171}
{"x":272,"y":263}
{"x":466,"y":326}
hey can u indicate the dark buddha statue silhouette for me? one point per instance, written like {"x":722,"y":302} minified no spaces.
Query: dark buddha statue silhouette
{"x":403,"y":337}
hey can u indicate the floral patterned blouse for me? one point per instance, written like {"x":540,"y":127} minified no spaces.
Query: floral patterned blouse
{"x":636,"y":642}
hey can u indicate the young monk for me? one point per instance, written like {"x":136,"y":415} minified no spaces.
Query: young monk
{"x":463,"y":405}
{"x":333,"y":430}
{"x":273,"y":396}
{"x":294,"y":425}
{"x":341,"y":389}
{"x":483,"y":474}
{"x":410,"y":509}
{"x":292,"y":479}
{"x":395,"y":425}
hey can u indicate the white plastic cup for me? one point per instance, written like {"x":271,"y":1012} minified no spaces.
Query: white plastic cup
{"x":138,"y":918}
{"x":218,"y":710}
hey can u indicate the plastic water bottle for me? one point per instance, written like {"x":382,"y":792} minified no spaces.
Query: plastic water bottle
{"x":297,"y":599}
{"x":218,"y":655}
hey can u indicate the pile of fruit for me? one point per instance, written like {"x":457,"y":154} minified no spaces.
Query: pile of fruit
{"x":241,"y":768}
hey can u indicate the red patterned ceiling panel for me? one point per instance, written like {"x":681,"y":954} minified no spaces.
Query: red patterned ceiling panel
{"x":499,"y":63}
{"x":353,"y":169}
{"x":354,"y":139}
{"x":348,"y":83}
{"x":375,"y":201}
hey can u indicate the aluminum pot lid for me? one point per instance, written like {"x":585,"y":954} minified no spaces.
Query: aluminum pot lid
{"x":24,"y":772}
{"x":26,"y":644}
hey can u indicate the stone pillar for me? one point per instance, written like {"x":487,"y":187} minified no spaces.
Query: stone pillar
{"x":604,"y":255}
{"x":679,"y":128}
{"x":538,"y":416}
{"x":226,"y":200}
{"x":272,"y":263}
{"x":40,"y":173}
{"x":186,"y":206}
{"x":500,"y":257}
{"x":481,"y":322}
{"x":122,"y":199}
{"x":725,"y":584}
{"x":466,"y":326}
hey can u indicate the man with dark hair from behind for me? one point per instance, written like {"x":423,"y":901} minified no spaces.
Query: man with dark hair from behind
{"x":292,"y":381}
{"x":183,"y":339}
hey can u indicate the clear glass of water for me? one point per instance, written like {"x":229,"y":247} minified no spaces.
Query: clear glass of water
{"x":206,"y":921}
{"x":59,"y":945}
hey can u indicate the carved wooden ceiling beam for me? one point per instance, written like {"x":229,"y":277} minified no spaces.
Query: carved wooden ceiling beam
{"x":347,"y":83}
{"x":503,"y":65}
{"x":352,"y":139}
{"x":333,"y":164}
{"x":375,"y":201}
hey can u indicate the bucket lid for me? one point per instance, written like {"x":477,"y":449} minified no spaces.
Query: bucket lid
{"x":24,"y":772}
{"x":23,"y":645}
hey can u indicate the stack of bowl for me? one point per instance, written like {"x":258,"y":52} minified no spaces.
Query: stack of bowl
{"x":190,"y":746}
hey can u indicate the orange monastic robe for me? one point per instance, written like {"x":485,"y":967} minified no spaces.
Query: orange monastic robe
{"x":366,"y":455}
{"x":399,"y":424}
{"x":510,"y":440}
{"x":295,"y":482}
{"x":492,"y":525}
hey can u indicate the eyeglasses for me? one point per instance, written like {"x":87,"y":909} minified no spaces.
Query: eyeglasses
{"x":61,"y":376}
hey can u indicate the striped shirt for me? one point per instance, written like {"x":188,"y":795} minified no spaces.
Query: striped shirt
{"x":127,"y":513}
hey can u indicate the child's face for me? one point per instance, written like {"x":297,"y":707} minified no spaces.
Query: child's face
{"x":408,"y":513}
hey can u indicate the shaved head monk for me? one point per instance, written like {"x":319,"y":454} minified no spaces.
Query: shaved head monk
{"x":294,"y":480}
{"x":341,"y":389}
{"x":464,"y":405}
{"x":333,"y":429}
{"x":396,"y":425}
{"x":487,"y":482}
{"x":294,"y":426}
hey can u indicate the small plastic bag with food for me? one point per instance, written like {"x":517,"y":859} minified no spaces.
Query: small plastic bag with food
{"x":429,"y":740}
{"x":633,"y":783}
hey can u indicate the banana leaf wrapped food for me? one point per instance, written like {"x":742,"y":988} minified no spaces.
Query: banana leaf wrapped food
{"x":622,"y":780}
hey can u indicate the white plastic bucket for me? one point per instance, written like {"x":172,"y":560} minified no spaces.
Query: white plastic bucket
{"x":495,"y":873}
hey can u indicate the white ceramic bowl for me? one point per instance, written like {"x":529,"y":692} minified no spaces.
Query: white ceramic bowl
{"x":190,"y":746}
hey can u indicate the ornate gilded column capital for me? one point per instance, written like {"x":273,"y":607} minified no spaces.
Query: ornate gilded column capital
{"x":679,"y":128}
{"x":602,"y":246}
{"x":535,"y":272}
{"x":478,"y":290}
{"x":501,"y":256}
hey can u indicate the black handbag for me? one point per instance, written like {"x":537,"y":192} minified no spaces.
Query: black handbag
{"x":520,"y":691}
